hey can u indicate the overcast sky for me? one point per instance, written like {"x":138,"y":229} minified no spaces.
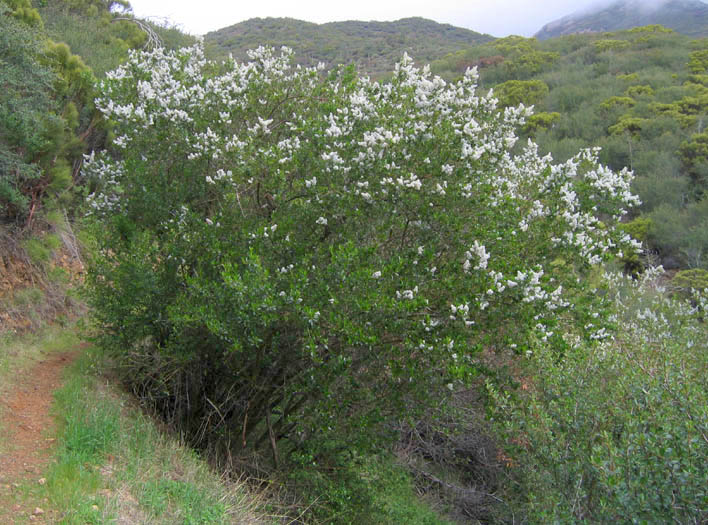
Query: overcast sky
{"x":496,"y":17}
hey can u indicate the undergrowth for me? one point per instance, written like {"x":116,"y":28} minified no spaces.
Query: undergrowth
{"x":112,"y":463}
{"x":373,"y":488}
{"x":616,"y":432}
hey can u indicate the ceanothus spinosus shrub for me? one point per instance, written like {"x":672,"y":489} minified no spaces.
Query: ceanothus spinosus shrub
{"x":290,"y":254}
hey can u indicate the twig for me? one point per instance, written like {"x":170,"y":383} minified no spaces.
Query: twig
{"x":153,"y":40}
{"x":273,"y":444}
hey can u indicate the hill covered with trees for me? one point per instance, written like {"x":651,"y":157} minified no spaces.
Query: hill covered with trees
{"x":373,"y":46}
{"x":641,"y":95}
{"x":688,"y":17}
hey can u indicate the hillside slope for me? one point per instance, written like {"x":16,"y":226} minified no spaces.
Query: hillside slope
{"x":373,"y":46}
{"x":689,"y":17}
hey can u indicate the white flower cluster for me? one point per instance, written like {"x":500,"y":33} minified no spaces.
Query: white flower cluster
{"x":649,"y":314}
{"x":426,"y":161}
{"x":480,"y":252}
{"x":408,"y":295}
{"x":109,"y":172}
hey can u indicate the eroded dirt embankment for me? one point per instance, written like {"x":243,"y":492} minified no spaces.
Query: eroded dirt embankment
{"x":32,"y":294}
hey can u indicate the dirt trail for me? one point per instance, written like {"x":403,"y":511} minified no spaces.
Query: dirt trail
{"x":26,"y":431}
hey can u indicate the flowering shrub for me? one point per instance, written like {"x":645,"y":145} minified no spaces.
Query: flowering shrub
{"x":618,"y":431}
{"x":289,"y":254}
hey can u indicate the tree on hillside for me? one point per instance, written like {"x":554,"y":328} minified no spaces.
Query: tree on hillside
{"x":46,"y":118}
{"x":515,"y":92}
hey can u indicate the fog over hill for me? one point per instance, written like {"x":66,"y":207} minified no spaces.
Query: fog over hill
{"x":689,"y":17}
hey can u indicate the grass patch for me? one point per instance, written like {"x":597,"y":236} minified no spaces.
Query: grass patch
{"x":161,"y":496}
{"x":114,"y":464}
{"x":395,"y":494}
{"x":88,"y":430}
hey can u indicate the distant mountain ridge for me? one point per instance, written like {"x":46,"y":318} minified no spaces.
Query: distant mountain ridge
{"x":373,"y":46}
{"x":689,"y":17}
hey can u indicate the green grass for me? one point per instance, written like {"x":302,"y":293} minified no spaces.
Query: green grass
{"x":88,"y":431}
{"x":114,"y":464}
{"x":371,"y":489}
{"x":185,"y":498}
{"x":396,"y":496}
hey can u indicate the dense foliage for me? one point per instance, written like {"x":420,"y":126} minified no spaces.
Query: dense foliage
{"x":45,"y":91}
{"x":21,"y":111}
{"x":295,"y":266}
{"x":617,"y":432}
{"x":373,"y":46}
{"x":638,"y":94}
{"x":290,"y":260}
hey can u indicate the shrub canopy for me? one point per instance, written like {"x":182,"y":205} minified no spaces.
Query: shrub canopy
{"x":289,"y":254}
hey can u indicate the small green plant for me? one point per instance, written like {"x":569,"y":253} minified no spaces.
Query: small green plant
{"x":367,"y":489}
{"x":41,"y":249}
{"x":639,"y":229}
{"x":58,"y":276}
{"x":38,"y":252}
{"x":191,"y":504}
{"x":688,"y":280}
{"x":515,"y":92}
{"x":541,"y":121}
{"x":27,"y":297}
{"x":639,"y":91}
